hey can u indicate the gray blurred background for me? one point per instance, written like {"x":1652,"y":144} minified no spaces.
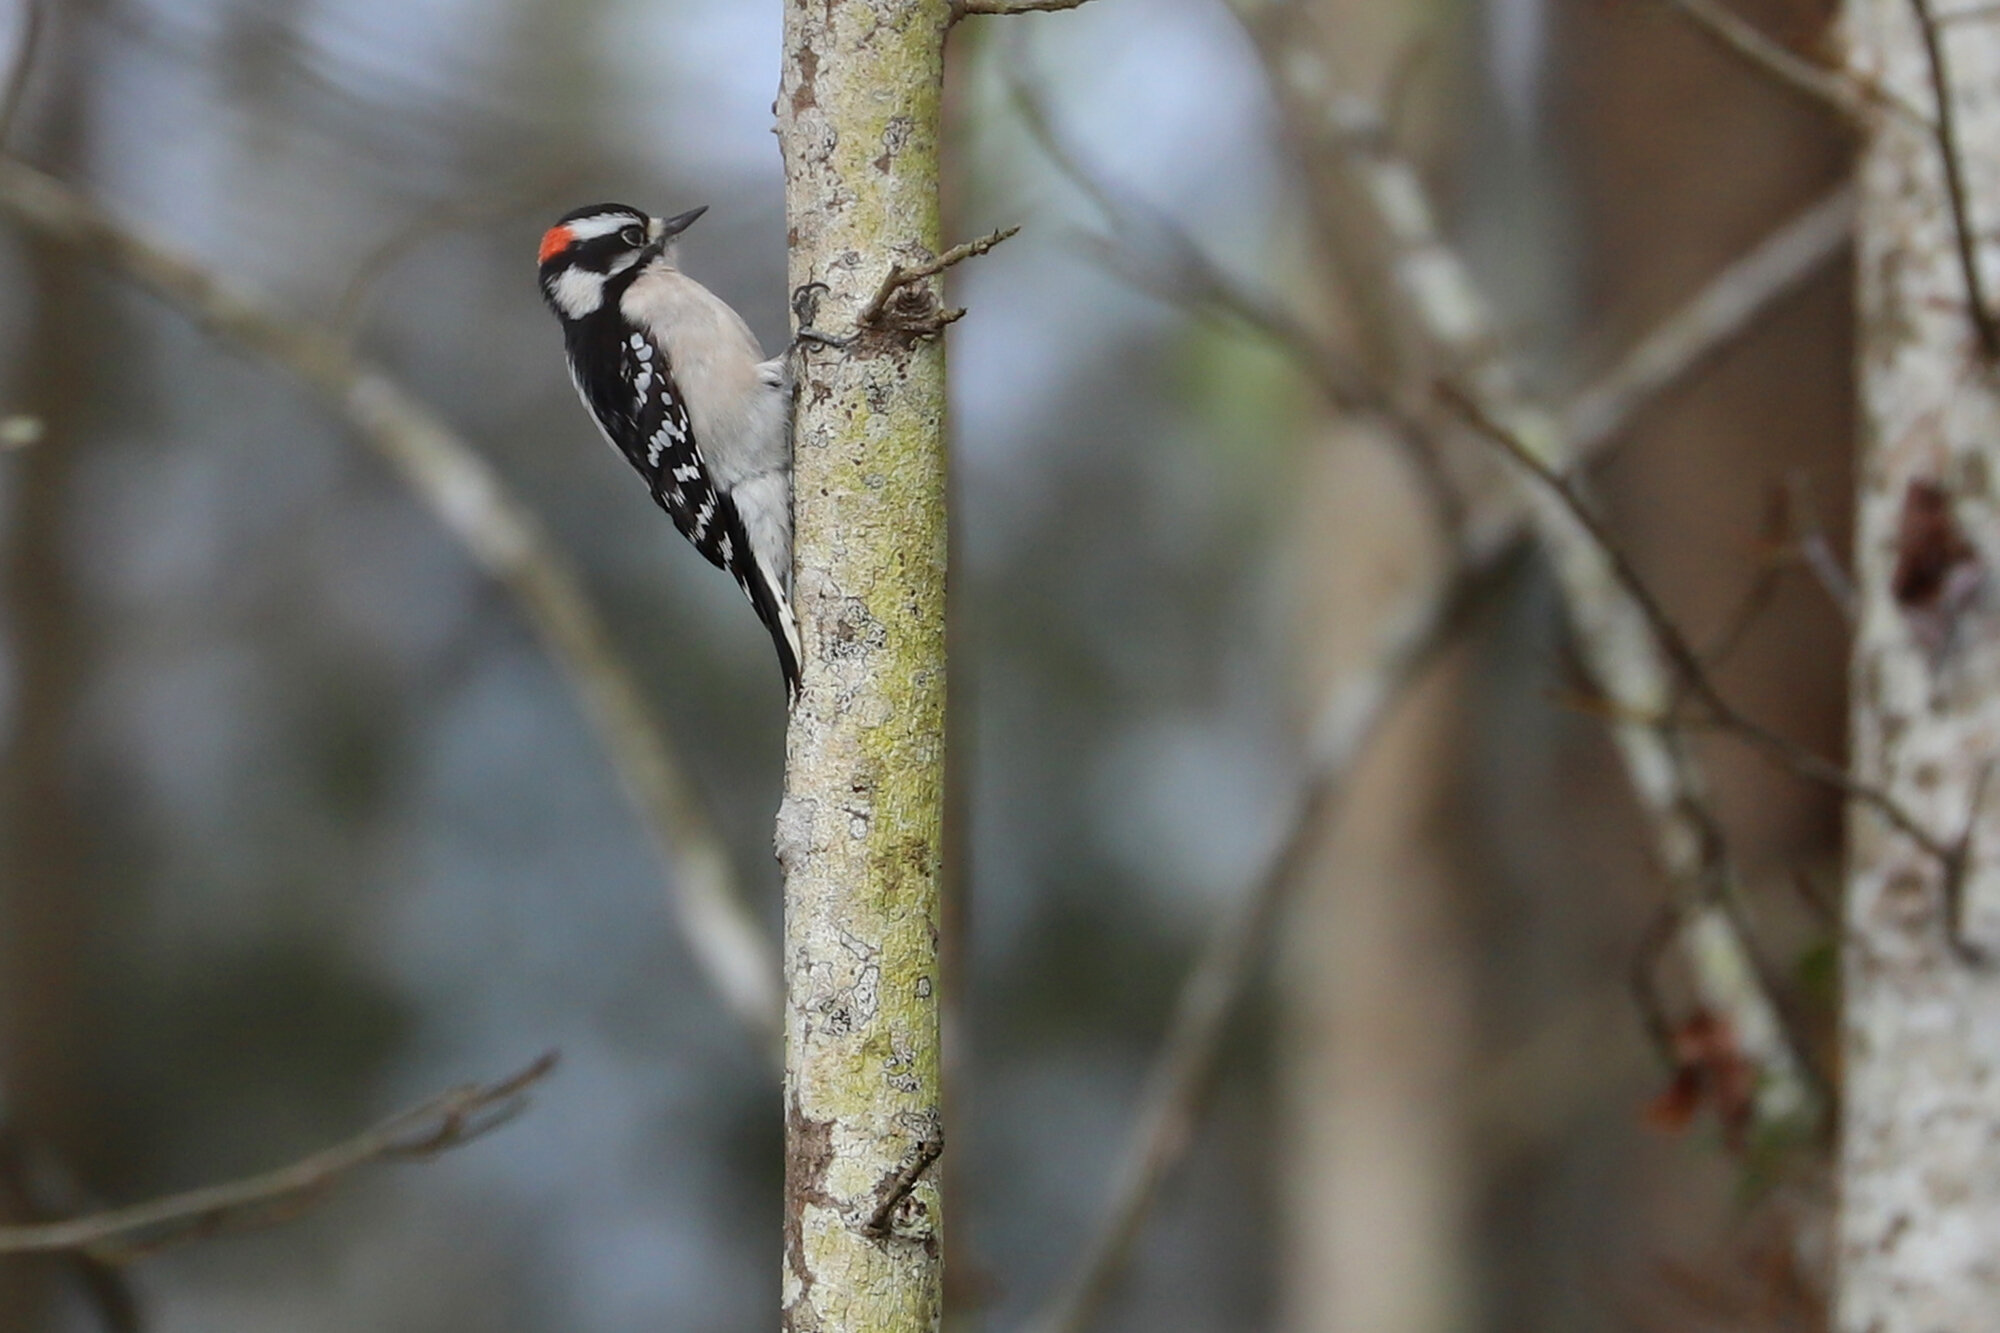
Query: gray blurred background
{"x":300,"y":825}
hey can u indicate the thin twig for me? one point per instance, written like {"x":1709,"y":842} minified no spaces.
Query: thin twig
{"x":899,"y":277}
{"x":34,"y":1186}
{"x":1829,"y":87}
{"x":1749,"y":609}
{"x":966,"y":8}
{"x":1714,"y":318}
{"x":1983,"y":320}
{"x":502,"y":536}
{"x":446,"y":1121}
{"x":1828,"y":573}
{"x":1186,"y":274}
{"x":1778,"y":550}
{"x":1816,"y":553}
{"x":1673,"y":644}
{"x":25,"y":45}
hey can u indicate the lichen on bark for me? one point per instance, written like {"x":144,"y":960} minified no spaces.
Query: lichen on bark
{"x":858,"y":834}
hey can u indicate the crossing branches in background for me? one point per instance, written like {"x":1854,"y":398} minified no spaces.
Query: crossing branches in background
{"x":1677,"y":349}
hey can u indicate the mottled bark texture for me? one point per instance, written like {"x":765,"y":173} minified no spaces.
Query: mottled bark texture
{"x":1920,"y":1156}
{"x":858,"y":834}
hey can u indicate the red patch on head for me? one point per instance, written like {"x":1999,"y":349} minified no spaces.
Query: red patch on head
{"x":554,"y":241}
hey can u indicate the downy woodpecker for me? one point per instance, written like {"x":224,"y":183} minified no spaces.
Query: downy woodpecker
{"x":679,"y":386}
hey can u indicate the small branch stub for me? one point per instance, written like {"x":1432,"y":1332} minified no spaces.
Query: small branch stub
{"x":896,"y":1190}
{"x":898,"y":305}
{"x":899,"y":279}
{"x":966,"y":8}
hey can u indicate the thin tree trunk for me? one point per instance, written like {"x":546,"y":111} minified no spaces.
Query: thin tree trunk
{"x":858,"y":834}
{"x":1375,"y":1186}
{"x":1920,"y":1156}
{"x":48,"y":901}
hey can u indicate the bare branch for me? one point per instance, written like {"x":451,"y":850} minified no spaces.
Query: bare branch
{"x":899,"y":277}
{"x":1716,"y":316}
{"x":1811,"y":548}
{"x":1827,"y":571}
{"x":36,"y":1186}
{"x":1673,"y":644}
{"x":1946,"y":125}
{"x":1832,"y":89}
{"x":966,"y":8}
{"x":1157,"y":254}
{"x":503,"y":538}
{"x":1184,"y":273}
{"x":447,"y":1121}
{"x":25,"y":45}
{"x":1749,"y":609}
{"x":1377,"y":204}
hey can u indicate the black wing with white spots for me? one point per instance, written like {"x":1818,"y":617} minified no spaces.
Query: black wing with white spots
{"x":640,"y":410}
{"x":668,"y":456}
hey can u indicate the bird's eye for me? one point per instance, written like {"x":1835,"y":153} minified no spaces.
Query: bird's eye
{"x":633,"y":235}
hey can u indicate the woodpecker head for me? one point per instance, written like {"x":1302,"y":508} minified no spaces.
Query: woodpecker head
{"x":592,"y":245}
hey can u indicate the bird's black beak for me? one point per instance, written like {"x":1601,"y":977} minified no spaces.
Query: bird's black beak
{"x":667,"y":229}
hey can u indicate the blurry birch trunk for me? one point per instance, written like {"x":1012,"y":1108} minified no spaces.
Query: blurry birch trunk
{"x":1375,"y":1169}
{"x":1920,"y":1157}
{"x":858,"y":835}
{"x":1375,"y":1186}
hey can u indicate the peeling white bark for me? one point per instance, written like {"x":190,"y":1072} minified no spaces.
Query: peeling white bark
{"x":1920,"y":1157}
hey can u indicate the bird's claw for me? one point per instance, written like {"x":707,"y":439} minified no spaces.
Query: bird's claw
{"x":805,"y":305}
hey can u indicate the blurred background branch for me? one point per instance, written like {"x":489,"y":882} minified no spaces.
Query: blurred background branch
{"x":1459,"y":335}
{"x":449,"y":1120}
{"x":500,"y":534}
{"x":1178,"y":1084}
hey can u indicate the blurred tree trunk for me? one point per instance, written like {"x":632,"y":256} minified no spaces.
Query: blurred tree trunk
{"x":1375,"y":1186}
{"x":47,"y":899}
{"x":859,"y":832}
{"x":1919,"y":1163}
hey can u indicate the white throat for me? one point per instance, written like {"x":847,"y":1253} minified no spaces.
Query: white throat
{"x":577,"y":292}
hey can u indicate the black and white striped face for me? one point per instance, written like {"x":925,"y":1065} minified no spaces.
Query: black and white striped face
{"x":591,"y":246}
